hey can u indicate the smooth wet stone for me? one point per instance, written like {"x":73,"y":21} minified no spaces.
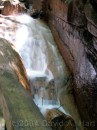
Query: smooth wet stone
{"x":58,"y":120}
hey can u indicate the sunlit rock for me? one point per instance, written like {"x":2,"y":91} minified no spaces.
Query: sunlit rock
{"x":12,"y":7}
{"x":9,"y":61}
{"x":17,"y":106}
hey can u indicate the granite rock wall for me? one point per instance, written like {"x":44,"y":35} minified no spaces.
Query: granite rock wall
{"x":74,"y":26}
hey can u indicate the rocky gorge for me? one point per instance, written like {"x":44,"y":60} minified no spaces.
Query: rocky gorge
{"x":74,"y":27}
{"x":71,"y":87}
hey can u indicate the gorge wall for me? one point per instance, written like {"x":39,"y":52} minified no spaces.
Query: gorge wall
{"x":74,"y":26}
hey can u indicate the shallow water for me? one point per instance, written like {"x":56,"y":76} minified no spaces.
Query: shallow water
{"x":50,"y":78}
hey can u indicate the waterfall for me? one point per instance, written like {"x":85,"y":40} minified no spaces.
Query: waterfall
{"x":49,"y":77}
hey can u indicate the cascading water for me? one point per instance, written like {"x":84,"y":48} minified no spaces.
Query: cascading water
{"x":49,"y":76}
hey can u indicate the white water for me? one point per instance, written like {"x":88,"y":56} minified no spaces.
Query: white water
{"x":48,"y":74}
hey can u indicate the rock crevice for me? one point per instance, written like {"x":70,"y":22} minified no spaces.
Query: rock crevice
{"x":74,"y":26}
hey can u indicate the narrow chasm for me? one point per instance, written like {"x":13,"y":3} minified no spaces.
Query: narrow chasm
{"x":56,"y":41}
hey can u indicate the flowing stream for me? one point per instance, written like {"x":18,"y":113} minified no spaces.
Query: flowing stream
{"x":49,"y":77}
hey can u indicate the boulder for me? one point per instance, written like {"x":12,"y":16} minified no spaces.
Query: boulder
{"x":17,"y":106}
{"x":58,"y":120}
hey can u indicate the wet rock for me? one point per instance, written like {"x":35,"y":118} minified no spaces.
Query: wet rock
{"x":74,"y":25}
{"x":37,"y":14}
{"x":10,"y":9}
{"x":58,"y":120}
{"x":92,"y":29}
{"x":95,"y":42}
{"x":94,"y":3}
{"x":77,"y":17}
{"x":91,"y":16}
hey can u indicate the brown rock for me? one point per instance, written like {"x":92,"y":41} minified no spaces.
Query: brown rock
{"x":68,"y":24}
{"x":10,"y":9}
{"x":76,"y":13}
{"x":17,"y":106}
{"x":58,"y":120}
{"x":91,"y":16}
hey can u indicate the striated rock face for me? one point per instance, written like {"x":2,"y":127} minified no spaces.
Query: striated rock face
{"x":74,"y":26}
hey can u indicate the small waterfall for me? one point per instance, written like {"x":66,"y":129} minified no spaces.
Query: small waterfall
{"x":49,"y":77}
